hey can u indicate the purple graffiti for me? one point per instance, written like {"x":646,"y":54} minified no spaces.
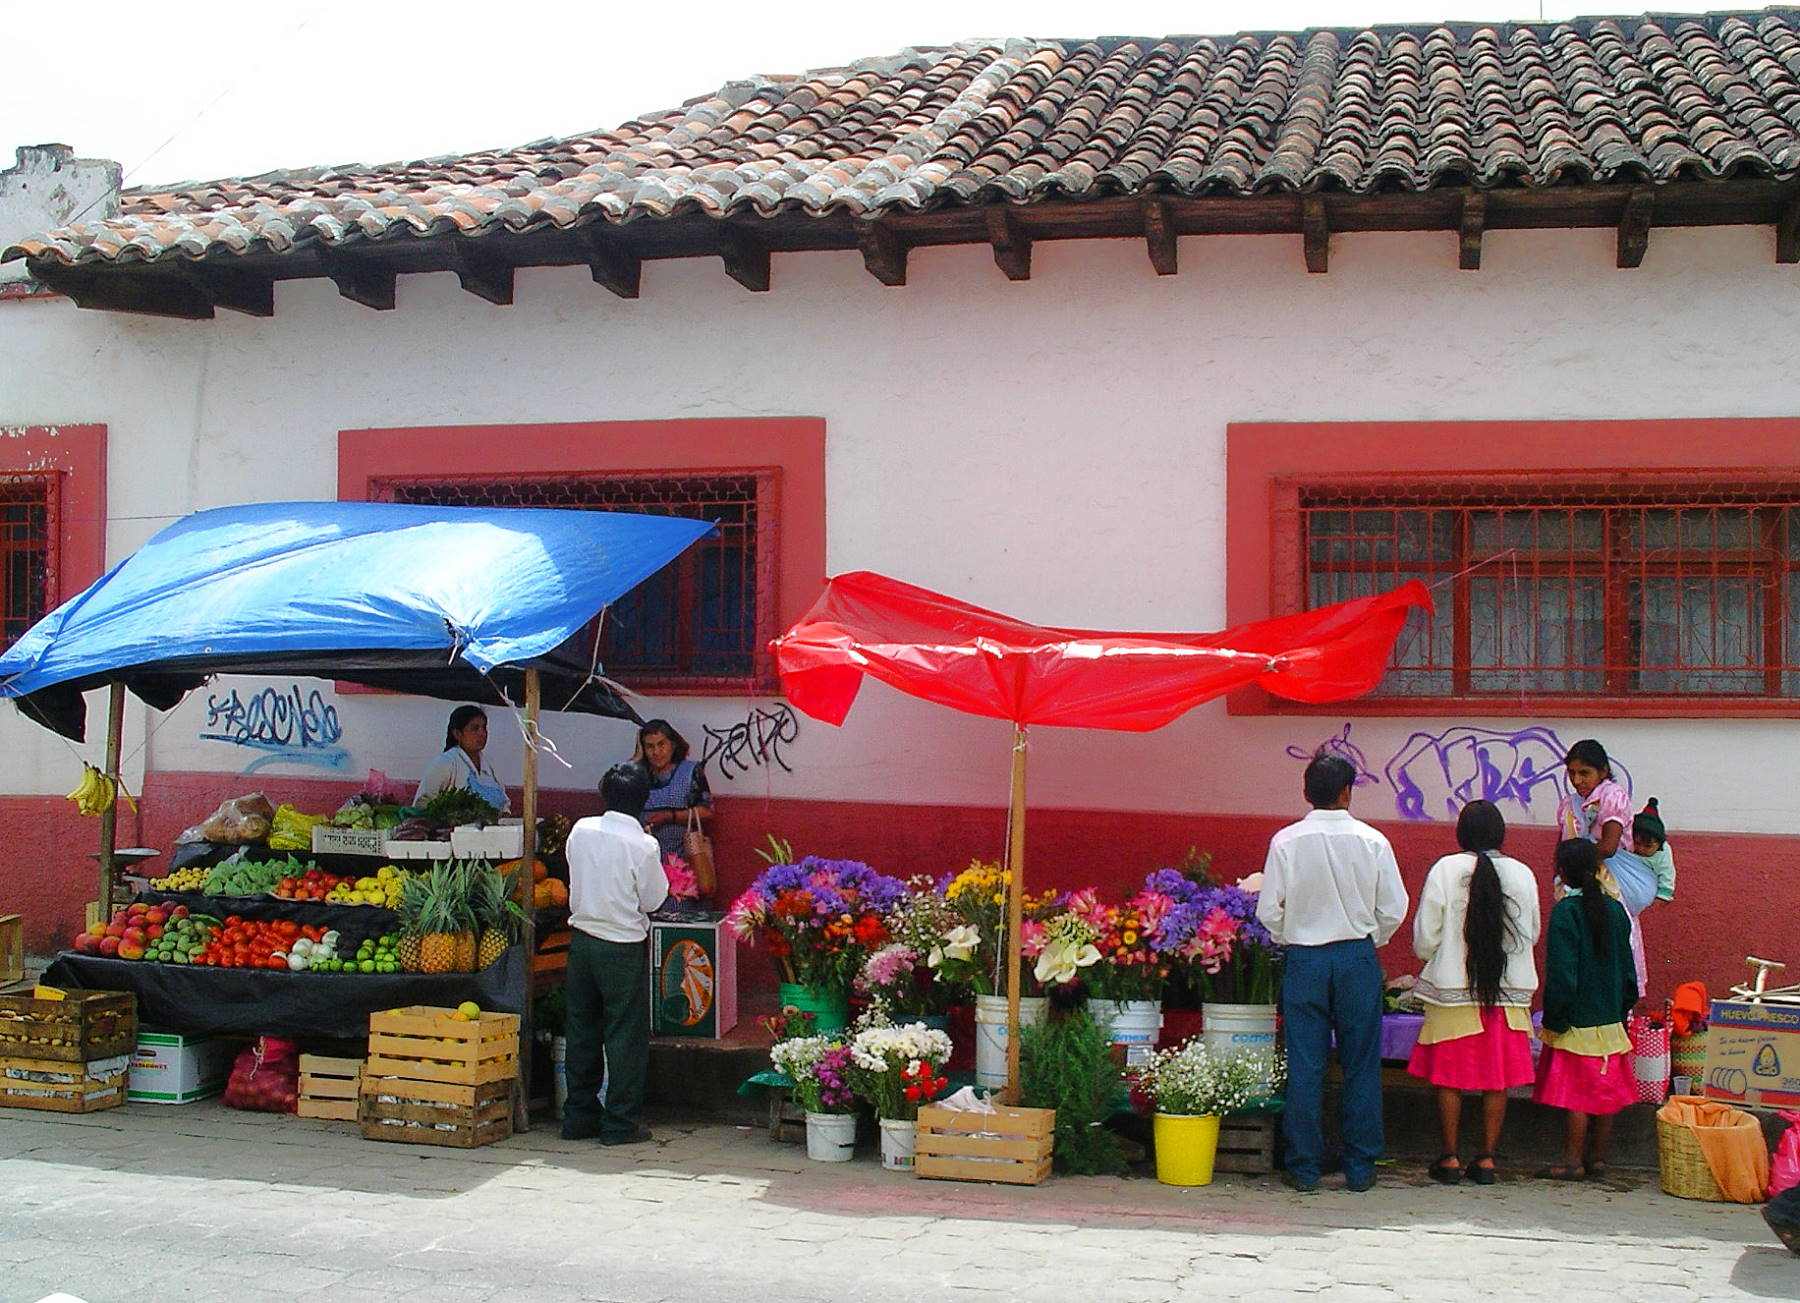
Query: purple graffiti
{"x":1341,"y":746}
{"x":1435,"y":774}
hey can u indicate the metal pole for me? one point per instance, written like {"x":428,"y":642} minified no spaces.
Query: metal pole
{"x":109,"y":819}
{"x":528,"y":809}
{"x":1015,"y":910}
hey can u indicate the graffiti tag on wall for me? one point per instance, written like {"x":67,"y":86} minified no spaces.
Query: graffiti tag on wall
{"x":290,"y":726}
{"x":1433,"y":775}
{"x":753,"y":744}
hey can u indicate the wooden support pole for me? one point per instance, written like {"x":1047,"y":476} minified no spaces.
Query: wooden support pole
{"x":746,"y":258}
{"x":524,"y":880}
{"x":1015,"y":911}
{"x":884,"y":253}
{"x":612,"y":266}
{"x":109,"y":821}
{"x":1787,"y":232}
{"x":1634,"y":227}
{"x":1012,"y":246}
{"x":368,"y":283}
{"x":1159,"y":234}
{"x":1315,"y":232}
{"x":1474,"y":222}
{"x":481,"y":274}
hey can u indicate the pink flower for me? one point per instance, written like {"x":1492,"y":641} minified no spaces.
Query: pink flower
{"x":1031,"y":938}
{"x":681,"y":878}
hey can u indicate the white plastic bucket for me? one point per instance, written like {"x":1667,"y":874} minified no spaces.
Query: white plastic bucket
{"x":1235,"y":1028}
{"x":990,"y":1034}
{"x":898,"y":1141}
{"x":1134,"y":1024}
{"x":830,"y":1137}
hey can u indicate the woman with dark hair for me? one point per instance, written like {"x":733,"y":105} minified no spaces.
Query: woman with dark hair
{"x":1476,"y":925}
{"x":678,"y":787}
{"x":1590,"y":985}
{"x":1598,"y":808}
{"x":461,"y":764}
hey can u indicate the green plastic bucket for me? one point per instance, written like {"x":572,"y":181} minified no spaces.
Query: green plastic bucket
{"x":830,"y":1009}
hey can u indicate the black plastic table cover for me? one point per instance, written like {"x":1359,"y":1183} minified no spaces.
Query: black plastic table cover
{"x":252,"y":1002}
{"x":356,"y":921}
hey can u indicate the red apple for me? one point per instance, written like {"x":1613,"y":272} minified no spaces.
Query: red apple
{"x":115,"y":930}
{"x":85,"y":944}
{"x":155,"y":916}
{"x":129,"y":951}
{"x":137,"y":907}
{"x":180,"y":911}
{"x":153,"y":931}
{"x":134,"y":936}
{"x":109,"y":945}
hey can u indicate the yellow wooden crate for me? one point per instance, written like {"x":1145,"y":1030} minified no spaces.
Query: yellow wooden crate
{"x":420,"y":1043}
{"x":329,"y":1087}
{"x":55,"y":1086}
{"x":434,"y":1113}
{"x":1010,"y":1145}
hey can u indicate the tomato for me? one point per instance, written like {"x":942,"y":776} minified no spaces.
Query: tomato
{"x":233,"y":920}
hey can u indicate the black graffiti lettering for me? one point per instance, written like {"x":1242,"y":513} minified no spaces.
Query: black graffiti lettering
{"x":756,"y":742}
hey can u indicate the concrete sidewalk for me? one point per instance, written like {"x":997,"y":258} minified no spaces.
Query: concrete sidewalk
{"x":201,"y":1202}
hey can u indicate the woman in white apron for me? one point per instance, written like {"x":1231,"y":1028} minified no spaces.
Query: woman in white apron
{"x":462,"y":765}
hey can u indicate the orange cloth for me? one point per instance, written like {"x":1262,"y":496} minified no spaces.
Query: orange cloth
{"x":1689,"y":1007}
{"x":1731,"y":1141}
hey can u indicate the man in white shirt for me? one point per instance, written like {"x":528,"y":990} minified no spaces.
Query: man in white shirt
{"x":615,"y":879}
{"x":1331,"y":893}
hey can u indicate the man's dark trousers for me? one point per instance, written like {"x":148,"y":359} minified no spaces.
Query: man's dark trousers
{"x":608,"y":991}
{"x":1335,"y":987}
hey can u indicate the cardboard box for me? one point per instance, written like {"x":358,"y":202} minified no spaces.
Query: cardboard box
{"x":1753,"y":1053}
{"x":170,"y":1068}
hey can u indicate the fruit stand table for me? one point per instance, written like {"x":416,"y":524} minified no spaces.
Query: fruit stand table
{"x":249,"y":1002}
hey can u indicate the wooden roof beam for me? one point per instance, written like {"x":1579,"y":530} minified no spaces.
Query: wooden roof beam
{"x":158,"y":295}
{"x":613,"y":267}
{"x":1315,"y":233}
{"x":1634,"y":227}
{"x":1012,"y":246}
{"x":361,"y":281}
{"x":1474,"y":222}
{"x":234,"y":289}
{"x":883,"y":251}
{"x":1159,"y":234}
{"x":1787,"y":232}
{"x":481,"y":274}
{"x":746,"y":258}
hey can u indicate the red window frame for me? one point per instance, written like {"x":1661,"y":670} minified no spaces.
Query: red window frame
{"x":785,"y":455}
{"x":68,"y":463}
{"x":1277,"y":473}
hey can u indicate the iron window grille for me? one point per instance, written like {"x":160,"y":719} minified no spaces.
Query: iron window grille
{"x":28,"y":534}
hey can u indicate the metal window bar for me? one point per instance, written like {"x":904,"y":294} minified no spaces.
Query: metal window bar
{"x":697,"y":621}
{"x":1670,"y":593}
{"x":28,"y":533}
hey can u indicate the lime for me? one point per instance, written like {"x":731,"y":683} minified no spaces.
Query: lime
{"x":366,"y":965}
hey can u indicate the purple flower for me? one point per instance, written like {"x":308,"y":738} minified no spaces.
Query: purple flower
{"x":1174,"y":884}
{"x":1177,"y":927}
{"x":1241,"y":905}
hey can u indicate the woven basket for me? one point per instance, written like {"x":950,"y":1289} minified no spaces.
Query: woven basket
{"x":1683,"y":1166}
{"x":1687,"y":1055}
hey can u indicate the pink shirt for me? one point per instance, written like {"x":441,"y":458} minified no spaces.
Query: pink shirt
{"x":1607,"y":803}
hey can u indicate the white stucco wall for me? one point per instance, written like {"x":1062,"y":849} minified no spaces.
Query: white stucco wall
{"x":1053,"y":448}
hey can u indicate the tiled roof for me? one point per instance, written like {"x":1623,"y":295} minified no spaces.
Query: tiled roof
{"x":1648,"y":100}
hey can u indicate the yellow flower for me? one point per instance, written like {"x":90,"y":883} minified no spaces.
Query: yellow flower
{"x":1130,"y":938}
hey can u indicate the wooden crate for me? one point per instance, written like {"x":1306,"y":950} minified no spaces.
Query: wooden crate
{"x":1011,"y":1145}
{"x":79,"y":1028}
{"x":435,"y":1113}
{"x":1246,"y":1144}
{"x":56,"y":1086}
{"x":787,"y":1120}
{"x":420,"y":1043}
{"x":329,"y":1087}
{"x":12,"y":949}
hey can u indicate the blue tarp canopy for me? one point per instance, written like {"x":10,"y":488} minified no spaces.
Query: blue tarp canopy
{"x":452,"y":602}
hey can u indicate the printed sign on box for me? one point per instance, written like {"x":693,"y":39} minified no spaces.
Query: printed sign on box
{"x":1753,"y":1053}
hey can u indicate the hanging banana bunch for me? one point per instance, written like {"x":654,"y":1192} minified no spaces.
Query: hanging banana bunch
{"x":96,"y":792}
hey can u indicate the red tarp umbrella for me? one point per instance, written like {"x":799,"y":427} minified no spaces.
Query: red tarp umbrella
{"x":984,"y":663}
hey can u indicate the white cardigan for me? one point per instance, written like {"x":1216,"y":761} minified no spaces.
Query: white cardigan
{"x":1438,"y":932}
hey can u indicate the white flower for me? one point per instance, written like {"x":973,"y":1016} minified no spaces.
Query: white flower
{"x":1061,"y":960}
{"x":959,"y":942}
{"x":1251,"y":883}
{"x":878,"y":1048}
{"x":797,"y":1056}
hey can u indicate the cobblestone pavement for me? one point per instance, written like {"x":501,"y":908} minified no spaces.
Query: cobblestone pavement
{"x":200,"y":1202}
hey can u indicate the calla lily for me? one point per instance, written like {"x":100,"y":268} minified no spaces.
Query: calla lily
{"x":1061,"y":961}
{"x":1251,"y":883}
{"x":959,"y":942}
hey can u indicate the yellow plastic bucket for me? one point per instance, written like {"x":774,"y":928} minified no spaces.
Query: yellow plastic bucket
{"x":1185,"y":1149}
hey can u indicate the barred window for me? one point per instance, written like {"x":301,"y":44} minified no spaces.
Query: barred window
{"x":701,"y":621}
{"x":27,"y":552}
{"x":1690,"y":593}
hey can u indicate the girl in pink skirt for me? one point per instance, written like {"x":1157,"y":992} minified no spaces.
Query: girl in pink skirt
{"x":1476,"y":924}
{"x":1590,"y":986}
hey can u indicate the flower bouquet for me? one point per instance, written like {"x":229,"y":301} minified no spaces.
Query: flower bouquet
{"x":1191,"y":1081}
{"x":1130,"y":966}
{"x":682,"y":883}
{"x":971,"y":953}
{"x":1237,"y":959}
{"x":896,"y":1069}
{"x":818,"y":918}
{"x":819,"y":1067}
{"x":897,"y":979}
{"x":791,"y":1023}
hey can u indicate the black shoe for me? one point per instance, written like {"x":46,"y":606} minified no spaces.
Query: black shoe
{"x":1363,"y":1186}
{"x":580,"y":1130}
{"x":1298,"y":1186}
{"x":1483,"y":1175}
{"x":1444,"y":1174}
{"x":636,"y":1136}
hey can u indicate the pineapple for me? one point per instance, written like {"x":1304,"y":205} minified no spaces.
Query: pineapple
{"x":438,"y":922}
{"x":466,"y":922}
{"x":411,"y":910}
{"x":499,"y":915}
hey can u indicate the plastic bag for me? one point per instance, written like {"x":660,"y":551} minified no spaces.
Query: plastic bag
{"x":266,"y":1077}
{"x":291,"y":829}
{"x":1784,"y":1168}
{"x":241,"y":820}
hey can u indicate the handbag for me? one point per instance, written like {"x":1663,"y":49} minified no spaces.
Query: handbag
{"x":697,"y":847}
{"x":1650,"y":1058}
